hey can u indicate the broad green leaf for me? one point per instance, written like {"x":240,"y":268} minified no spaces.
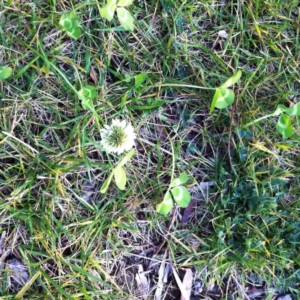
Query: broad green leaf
{"x":74,"y":33}
{"x":5,"y":72}
{"x":181,"y":195}
{"x":225,"y":98}
{"x":166,"y":205}
{"x":292,"y":111}
{"x":120,"y":177}
{"x":139,"y":79}
{"x":66,"y":23}
{"x":232,"y":80}
{"x":182,"y":179}
{"x":284,"y":127}
{"x":108,"y":10}
{"x":87,"y":94}
{"x":126,"y":158}
{"x":106,"y":183}
{"x":125,"y":2}
{"x":125,"y":18}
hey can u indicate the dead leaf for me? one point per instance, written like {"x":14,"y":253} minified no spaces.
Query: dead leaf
{"x":18,"y":274}
{"x":187,"y":283}
{"x":188,"y":211}
{"x":204,"y":188}
{"x":254,"y":292}
{"x":142,"y":283}
{"x":161,"y":132}
{"x":93,"y":76}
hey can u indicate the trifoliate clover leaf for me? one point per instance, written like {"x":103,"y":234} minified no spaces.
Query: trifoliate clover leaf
{"x":125,"y":18}
{"x":124,"y":15}
{"x":86,"y":95}
{"x":284,"y":126}
{"x":291,"y":111}
{"x":70,"y":23}
{"x":108,"y":10}
{"x":222,"y":99}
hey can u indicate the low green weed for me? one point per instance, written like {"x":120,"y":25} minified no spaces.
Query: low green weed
{"x":87,"y":94}
{"x":118,"y":173}
{"x":176,"y":192}
{"x":284,"y":123}
{"x":254,"y":223}
{"x":124,"y":16}
{"x":223,"y":96}
{"x":71,"y":24}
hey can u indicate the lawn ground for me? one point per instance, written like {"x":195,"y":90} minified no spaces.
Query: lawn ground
{"x":61,"y":238}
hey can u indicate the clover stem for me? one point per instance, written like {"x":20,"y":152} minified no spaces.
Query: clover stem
{"x":277,"y":112}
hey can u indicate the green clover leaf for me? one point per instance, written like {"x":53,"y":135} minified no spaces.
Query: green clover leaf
{"x":5,"y":72}
{"x":284,"y":126}
{"x":70,"y":23}
{"x":291,"y":111}
{"x":124,"y":15}
{"x":108,"y":11}
{"x":120,"y":177}
{"x":222,"y":99}
{"x":86,"y":95}
{"x":181,"y":196}
{"x":166,"y":205}
{"x":182,"y":179}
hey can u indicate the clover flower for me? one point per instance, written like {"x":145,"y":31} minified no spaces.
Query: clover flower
{"x":118,"y":137}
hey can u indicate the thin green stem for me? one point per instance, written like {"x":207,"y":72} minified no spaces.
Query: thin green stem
{"x":277,"y":112}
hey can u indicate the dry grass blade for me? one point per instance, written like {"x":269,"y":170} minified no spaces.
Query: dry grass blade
{"x":185,"y":293}
{"x":160,"y":283}
{"x":142,"y":283}
{"x":27,"y":286}
{"x":187,"y":284}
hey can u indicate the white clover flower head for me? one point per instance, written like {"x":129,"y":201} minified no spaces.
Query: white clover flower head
{"x":118,"y":137}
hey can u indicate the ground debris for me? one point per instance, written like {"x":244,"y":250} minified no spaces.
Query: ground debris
{"x":18,"y":274}
{"x":187,"y":284}
{"x":286,"y":297}
{"x":223,"y":34}
{"x":142,"y":283}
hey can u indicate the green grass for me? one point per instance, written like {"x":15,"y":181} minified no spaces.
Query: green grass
{"x":245,"y":232}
